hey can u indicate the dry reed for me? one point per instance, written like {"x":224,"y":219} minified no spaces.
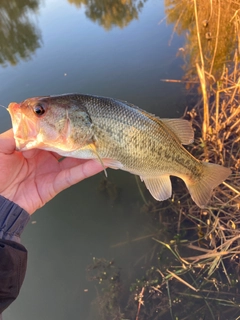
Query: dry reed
{"x":216,"y":246}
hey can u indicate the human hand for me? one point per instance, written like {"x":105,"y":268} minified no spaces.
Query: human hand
{"x":32,"y":178}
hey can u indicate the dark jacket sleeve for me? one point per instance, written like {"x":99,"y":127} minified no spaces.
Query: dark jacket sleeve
{"x":13,"y":264}
{"x":13,"y":255}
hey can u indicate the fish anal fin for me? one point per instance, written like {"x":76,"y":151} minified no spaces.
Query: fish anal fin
{"x":182,"y":129}
{"x":160,"y":187}
{"x":202,"y":189}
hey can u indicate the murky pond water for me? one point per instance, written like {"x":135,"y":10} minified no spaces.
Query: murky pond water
{"x":114,"y":48}
{"x":110,"y":49}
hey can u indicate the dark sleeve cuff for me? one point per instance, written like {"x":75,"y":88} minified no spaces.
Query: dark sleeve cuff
{"x":13,"y":264}
{"x":13,"y":219}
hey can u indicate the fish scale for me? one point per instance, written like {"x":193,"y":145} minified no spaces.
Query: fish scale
{"x":121,"y":136}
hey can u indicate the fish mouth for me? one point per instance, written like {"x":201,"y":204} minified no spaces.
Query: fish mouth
{"x":24,"y":129}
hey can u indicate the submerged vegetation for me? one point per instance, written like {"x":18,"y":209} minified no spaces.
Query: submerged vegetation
{"x":195,"y":274}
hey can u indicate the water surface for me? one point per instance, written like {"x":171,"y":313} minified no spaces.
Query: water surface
{"x":60,"y":46}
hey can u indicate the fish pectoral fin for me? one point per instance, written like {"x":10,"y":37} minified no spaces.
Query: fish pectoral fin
{"x":92,"y":147}
{"x":182,"y":129}
{"x":159,"y":187}
{"x":112,"y":163}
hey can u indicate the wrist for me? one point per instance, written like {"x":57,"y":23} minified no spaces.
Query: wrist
{"x":13,"y":220}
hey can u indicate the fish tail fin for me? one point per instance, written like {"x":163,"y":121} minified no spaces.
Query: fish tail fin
{"x":201,"y":190}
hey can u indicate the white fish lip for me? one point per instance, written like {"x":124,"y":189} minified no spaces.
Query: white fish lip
{"x":22,"y":145}
{"x":24,"y":129}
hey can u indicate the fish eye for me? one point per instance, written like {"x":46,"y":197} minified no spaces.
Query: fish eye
{"x":39,"y":109}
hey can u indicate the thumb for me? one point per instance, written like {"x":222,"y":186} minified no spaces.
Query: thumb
{"x":68,"y":177}
{"x":7,"y":142}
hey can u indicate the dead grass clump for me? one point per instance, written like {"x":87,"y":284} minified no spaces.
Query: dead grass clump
{"x":207,"y":264}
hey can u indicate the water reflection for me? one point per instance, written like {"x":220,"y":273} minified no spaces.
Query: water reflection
{"x":110,"y":13}
{"x":217,"y":21}
{"x":19,"y":38}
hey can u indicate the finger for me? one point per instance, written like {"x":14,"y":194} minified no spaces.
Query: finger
{"x":57,"y":156}
{"x":68,"y":177}
{"x":29,"y":154}
{"x":7,"y":142}
{"x":68,"y":163}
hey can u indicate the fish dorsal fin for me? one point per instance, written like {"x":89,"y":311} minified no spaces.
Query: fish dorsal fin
{"x":159,"y":187}
{"x":182,"y":129}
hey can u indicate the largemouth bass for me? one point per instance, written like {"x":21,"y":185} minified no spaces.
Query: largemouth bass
{"x":121,"y":136}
